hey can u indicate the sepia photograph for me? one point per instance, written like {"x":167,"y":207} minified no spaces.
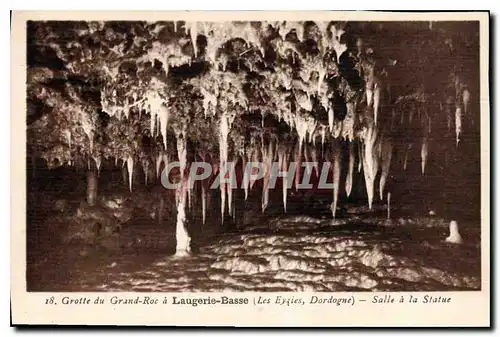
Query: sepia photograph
{"x":276,"y":154}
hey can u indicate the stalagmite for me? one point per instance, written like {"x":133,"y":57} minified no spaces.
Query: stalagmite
{"x":130,"y":169}
{"x":182,"y":237}
{"x":349,"y":182}
{"x":336,"y":178}
{"x":454,"y":236}
{"x":386,"y":164}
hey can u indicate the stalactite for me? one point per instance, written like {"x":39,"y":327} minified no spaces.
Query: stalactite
{"x":163,"y":118}
{"x":298,"y":162}
{"x":386,"y":155}
{"x":336,"y":177}
{"x":130,"y":169}
{"x":246,"y":175}
{"x":145,"y":168}
{"x":68,"y":138}
{"x":407,"y":151}
{"x":152,"y":123}
{"x":159,"y":160}
{"x":330,"y":119}
{"x":283,"y":162}
{"x":189,"y":191}
{"x":339,"y":47}
{"x":370,"y":162}
{"x":369,"y":96}
{"x":98,"y":161}
{"x":376,"y":103}
{"x":203,"y":202}
{"x":349,"y":181}
{"x":224,"y":127}
{"x":193,"y":31}
{"x":301,"y":127}
{"x":321,"y":77}
{"x":393,"y":118}
{"x":267,"y":156}
{"x":314,"y":159}
{"x":323,"y":136}
{"x":449,"y":117}
{"x":307,"y":156}
{"x":181,"y":150}
{"x":388,"y":205}
{"x":424,"y":152}
{"x":230,"y":188}
{"x":466,"y":101}
{"x":255,"y":159}
{"x":458,"y":123}
{"x":360,"y":156}
{"x":311,"y":127}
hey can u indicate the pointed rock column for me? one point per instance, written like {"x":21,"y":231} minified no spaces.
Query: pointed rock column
{"x":182,"y":236}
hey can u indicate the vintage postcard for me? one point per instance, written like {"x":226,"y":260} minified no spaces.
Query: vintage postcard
{"x":250,"y":169}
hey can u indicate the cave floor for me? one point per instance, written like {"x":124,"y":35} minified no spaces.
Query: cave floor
{"x":359,"y":252}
